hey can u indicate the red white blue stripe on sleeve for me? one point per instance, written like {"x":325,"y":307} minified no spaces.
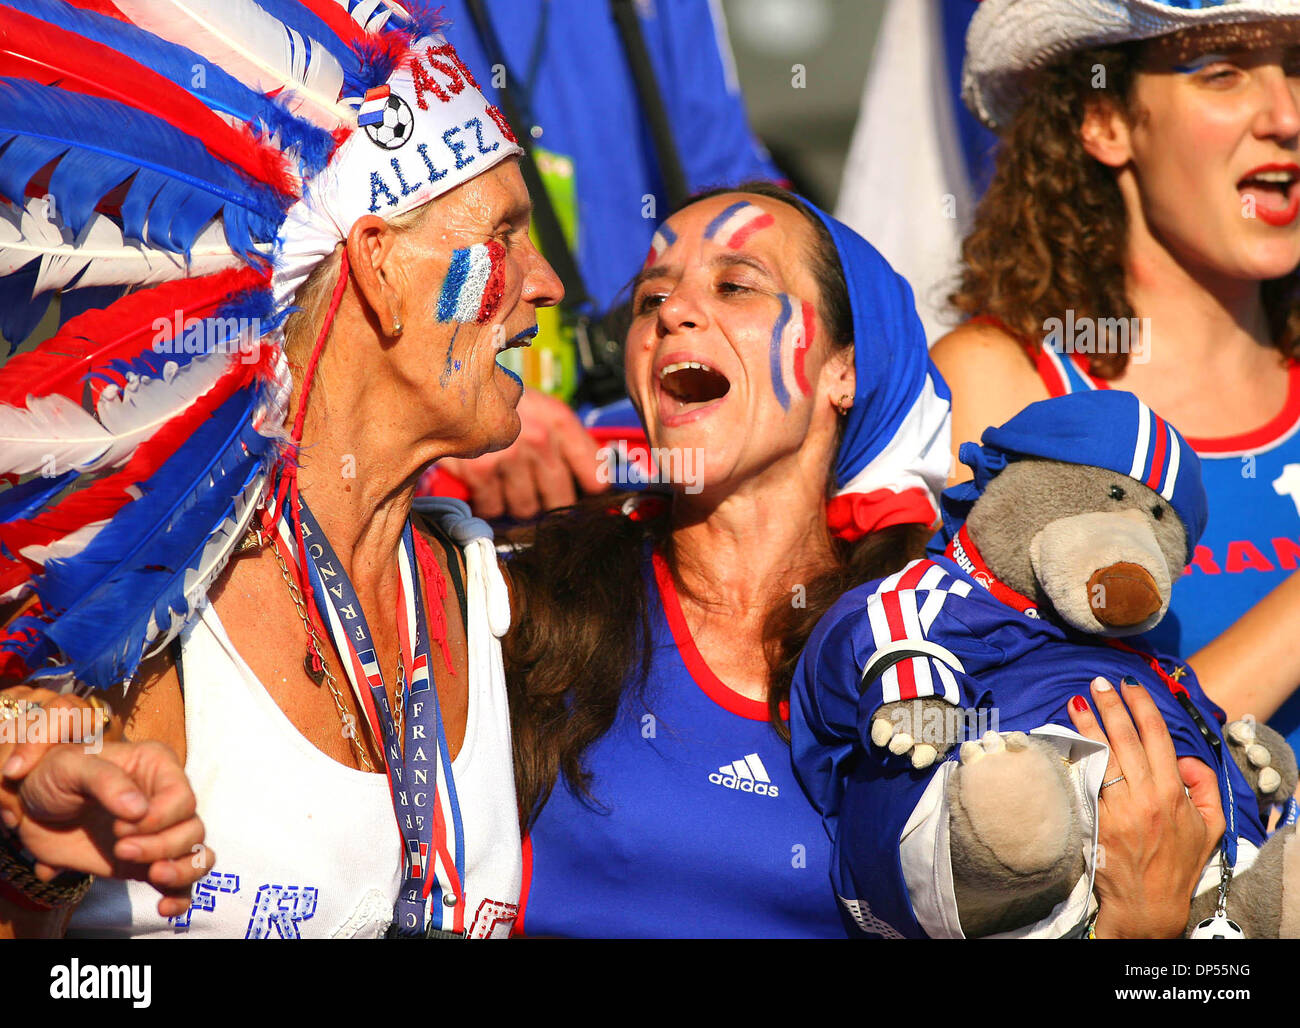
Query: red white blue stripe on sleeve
{"x":901,"y":612}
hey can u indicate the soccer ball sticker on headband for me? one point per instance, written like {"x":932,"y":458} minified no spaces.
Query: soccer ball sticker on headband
{"x":434,"y":102}
{"x":386,"y":118}
{"x":420,"y":134}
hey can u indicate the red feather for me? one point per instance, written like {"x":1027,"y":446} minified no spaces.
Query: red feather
{"x":331,"y":12}
{"x":104,"y":7}
{"x":121,"y":331}
{"x":103,"y":499}
{"x":36,"y":50}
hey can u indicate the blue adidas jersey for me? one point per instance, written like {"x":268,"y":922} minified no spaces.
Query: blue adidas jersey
{"x":701,"y":829}
{"x":1252,"y":540}
{"x":1007,"y":670}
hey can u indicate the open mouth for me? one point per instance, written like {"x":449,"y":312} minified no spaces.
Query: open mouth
{"x":1273,"y":188}
{"x":691,"y":384}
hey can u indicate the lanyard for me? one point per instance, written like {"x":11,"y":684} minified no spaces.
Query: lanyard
{"x":420,"y":778}
{"x":961,"y":550}
{"x":964,"y":554}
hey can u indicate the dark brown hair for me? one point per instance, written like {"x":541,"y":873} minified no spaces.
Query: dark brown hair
{"x":580,"y":638}
{"x":1051,"y":231}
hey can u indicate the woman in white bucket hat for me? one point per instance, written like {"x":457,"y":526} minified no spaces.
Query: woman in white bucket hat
{"x":1142,"y":232}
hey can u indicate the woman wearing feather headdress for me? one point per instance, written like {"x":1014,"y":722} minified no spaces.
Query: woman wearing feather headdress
{"x":322,"y":238}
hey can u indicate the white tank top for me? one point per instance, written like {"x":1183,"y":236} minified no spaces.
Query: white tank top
{"x":307,"y":847}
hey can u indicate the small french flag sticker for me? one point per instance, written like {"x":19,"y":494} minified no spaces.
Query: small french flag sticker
{"x":372,"y":106}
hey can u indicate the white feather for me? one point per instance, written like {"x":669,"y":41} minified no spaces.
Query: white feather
{"x":54,"y":433}
{"x":254,"y":47}
{"x":63,"y":548}
{"x":101,"y":251}
{"x":26,"y":233}
{"x":50,"y":435}
{"x":133,"y":414}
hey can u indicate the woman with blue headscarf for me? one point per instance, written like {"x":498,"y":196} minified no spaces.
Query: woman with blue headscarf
{"x":780,"y":371}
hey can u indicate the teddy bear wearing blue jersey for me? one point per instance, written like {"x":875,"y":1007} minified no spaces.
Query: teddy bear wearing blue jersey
{"x":928,"y":712}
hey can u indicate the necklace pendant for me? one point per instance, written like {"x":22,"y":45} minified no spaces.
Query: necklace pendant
{"x":312,"y":673}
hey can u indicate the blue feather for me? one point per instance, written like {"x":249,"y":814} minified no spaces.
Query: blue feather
{"x":220,"y":90}
{"x":315,"y":32}
{"x":74,"y":301}
{"x":202,"y":336}
{"x":177,"y":187}
{"x":28,"y":498}
{"x":20,"y":311}
{"x":361,"y":71}
{"x":135,"y":567}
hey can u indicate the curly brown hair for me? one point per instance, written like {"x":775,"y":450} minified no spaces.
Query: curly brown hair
{"x":1051,"y":231}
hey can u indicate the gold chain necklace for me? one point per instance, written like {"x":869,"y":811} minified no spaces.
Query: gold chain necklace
{"x":345,"y":718}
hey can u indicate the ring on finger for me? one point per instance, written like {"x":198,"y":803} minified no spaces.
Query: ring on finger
{"x":11,"y":708}
{"x":1114,"y":781}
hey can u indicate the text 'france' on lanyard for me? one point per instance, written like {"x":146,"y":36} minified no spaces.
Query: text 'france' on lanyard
{"x":431,"y":899}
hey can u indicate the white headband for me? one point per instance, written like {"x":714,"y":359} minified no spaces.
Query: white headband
{"x":421,"y":134}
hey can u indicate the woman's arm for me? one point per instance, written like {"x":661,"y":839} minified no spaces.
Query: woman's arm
{"x":1253,"y":667}
{"x":105,"y":807}
{"x":1158,"y":824}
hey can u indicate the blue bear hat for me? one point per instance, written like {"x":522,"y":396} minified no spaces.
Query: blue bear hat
{"x":1103,"y":428}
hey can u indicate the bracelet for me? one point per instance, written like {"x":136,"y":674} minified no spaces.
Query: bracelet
{"x":18,"y":881}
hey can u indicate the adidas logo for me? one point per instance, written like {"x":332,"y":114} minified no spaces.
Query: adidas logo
{"x":746,"y":775}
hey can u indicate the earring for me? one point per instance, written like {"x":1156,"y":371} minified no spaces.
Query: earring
{"x":397,"y":326}
{"x":845,"y":405}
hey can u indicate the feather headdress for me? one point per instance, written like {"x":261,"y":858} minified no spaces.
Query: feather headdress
{"x":174,"y":169}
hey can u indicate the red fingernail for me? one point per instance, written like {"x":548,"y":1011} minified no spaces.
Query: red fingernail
{"x":1079,"y":704}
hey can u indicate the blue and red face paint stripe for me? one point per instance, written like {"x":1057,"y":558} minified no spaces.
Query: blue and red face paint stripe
{"x":474,"y":284}
{"x":664,"y":237}
{"x":804,"y":329}
{"x":737,"y":223}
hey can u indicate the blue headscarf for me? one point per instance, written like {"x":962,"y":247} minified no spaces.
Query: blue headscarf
{"x":896,"y":454}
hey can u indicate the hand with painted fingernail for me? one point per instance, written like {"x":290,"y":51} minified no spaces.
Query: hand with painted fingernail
{"x":1160,"y":816}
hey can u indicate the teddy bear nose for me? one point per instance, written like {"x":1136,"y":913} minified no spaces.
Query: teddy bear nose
{"x":1123,"y":594}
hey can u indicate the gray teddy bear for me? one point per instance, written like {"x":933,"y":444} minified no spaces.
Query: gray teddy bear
{"x":928,"y":713}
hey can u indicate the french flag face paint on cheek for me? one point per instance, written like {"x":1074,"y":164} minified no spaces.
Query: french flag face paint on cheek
{"x":792,"y":335}
{"x":474,"y":284}
{"x":664,"y":237}
{"x":733,"y":227}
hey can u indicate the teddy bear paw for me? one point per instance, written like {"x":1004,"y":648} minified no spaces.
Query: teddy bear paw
{"x":1265,"y":759}
{"x":922,"y":730}
{"x":1015,"y":805}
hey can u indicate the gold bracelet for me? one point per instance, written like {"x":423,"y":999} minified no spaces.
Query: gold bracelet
{"x":19,"y":875}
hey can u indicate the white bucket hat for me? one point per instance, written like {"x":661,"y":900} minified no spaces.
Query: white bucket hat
{"x":1008,"y":40}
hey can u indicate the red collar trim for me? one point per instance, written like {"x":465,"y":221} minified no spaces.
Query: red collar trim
{"x":1269,"y":434}
{"x":710,"y":684}
{"x":967,"y":557}
{"x":1273,"y":431}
